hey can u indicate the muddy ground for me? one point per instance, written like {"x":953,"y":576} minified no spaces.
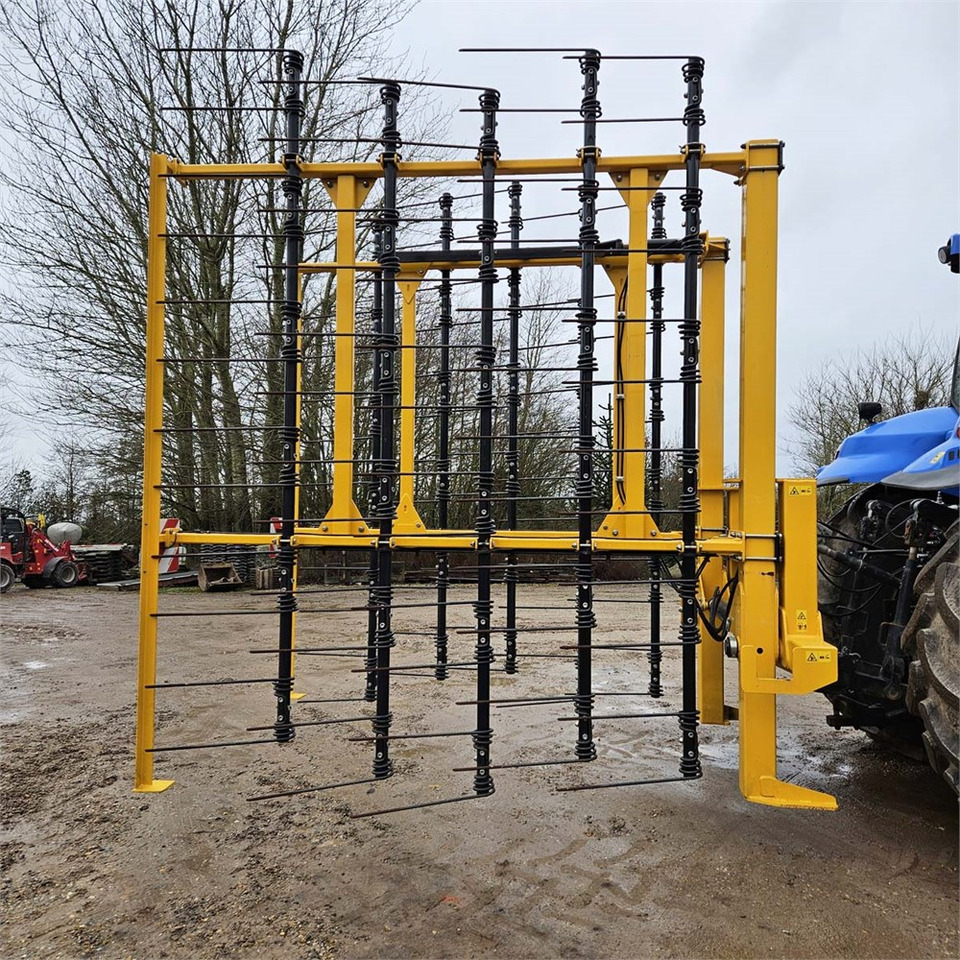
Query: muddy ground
{"x":676,"y":870}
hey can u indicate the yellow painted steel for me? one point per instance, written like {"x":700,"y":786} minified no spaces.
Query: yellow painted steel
{"x":756,"y":611}
{"x":152,"y":468}
{"x":630,"y":339}
{"x":710,"y":439}
{"x":408,"y":520}
{"x":739,"y":532}
{"x":731,"y":163}
{"x":347,"y":194}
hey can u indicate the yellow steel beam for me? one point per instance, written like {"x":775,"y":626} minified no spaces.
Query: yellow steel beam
{"x":629,"y":416}
{"x":152,"y":461}
{"x":756,"y":615}
{"x":710,"y":440}
{"x":347,"y":195}
{"x":408,"y":520}
{"x":716,"y":248}
{"x":731,"y":163}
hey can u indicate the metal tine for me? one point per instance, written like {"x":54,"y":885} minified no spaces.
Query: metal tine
{"x":522,"y":110}
{"x":420,"y":806}
{"x":207,"y":683}
{"x":334,"y":700}
{"x":629,"y":783}
{"x":555,"y":698}
{"x":643,"y":57}
{"x":425,"y":83}
{"x":632,"y":646}
{"x":553,"y":628}
{"x":633,"y":120}
{"x":524,"y":763}
{"x":406,"y":143}
{"x":524,"y":50}
{"x":314,"y":723}
{"x":325,"y":786}
{"x":414,"y":736}
{"x":530,"y":179}
{"x":622,"y":716}
{"x":179,"y":49}
{"x":221,"y":108}
{"x":618,"y":189}
{"x":310,"y":649}
{"x":209,"y":746}
{"x":419,"y":666}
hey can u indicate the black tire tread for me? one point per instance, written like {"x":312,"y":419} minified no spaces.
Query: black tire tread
{"x":931,"y":639}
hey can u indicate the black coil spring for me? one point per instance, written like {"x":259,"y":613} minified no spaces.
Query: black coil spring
{"x":446,"y":224}
{"x":390,"y":137}
{"x":690,"y":760}
{"x":689,"y":498}
{"x":482,"y":780}
{"x":590,"y":104}
{"x":382,"y":767}
{"x":489,"y":147}
{"x":693,"y":77}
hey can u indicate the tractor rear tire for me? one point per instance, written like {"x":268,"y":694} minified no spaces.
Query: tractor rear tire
{"x":65,"y":574}
{"x":931,"y":640}
{"x":6,"y":577}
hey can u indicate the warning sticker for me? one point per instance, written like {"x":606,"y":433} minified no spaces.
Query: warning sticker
{"x":798,"y":491}
{"x":801,"y":621}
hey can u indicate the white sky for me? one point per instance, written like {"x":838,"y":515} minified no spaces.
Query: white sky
{"x":865,"y":95}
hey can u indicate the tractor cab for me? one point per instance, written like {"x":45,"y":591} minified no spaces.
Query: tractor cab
{"x":13,"y":530}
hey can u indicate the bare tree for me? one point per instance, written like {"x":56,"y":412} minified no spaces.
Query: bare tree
{"x":83,"y":109}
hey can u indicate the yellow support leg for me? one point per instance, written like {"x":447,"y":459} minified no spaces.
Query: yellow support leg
{"x":629,"y":418}
{"x":347,"y":194}
{"x":757,"y":615}
{"x":710,"y":652}
{"x":152,"y":451}
{"x":408,"y":520}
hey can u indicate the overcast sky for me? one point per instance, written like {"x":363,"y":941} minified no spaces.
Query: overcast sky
{"x":865,"y":95}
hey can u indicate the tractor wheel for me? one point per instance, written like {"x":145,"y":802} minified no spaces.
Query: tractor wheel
{"x":931,"y":640}
{"x":6,"y":577}
{"x":65,"y":574}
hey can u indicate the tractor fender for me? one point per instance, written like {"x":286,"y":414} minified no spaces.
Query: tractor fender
{"x":51,"y":565}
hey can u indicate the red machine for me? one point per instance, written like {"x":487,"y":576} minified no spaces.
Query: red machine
{"x":28,"y":553}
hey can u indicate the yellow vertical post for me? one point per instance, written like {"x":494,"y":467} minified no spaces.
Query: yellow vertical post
{"x":710,"y":426}
{"x":408,"y":520}
{"x":152,"y":471}
{"x":757,"y":619}
{"x":630,"y":363}
{"x":347,"y":195}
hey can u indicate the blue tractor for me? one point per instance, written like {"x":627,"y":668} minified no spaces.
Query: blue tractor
{"x":889,"y":579}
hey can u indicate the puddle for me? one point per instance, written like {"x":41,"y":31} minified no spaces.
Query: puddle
{"x":36,"y":665}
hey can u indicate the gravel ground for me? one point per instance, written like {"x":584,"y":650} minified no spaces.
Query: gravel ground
{"x":91,"y":869}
